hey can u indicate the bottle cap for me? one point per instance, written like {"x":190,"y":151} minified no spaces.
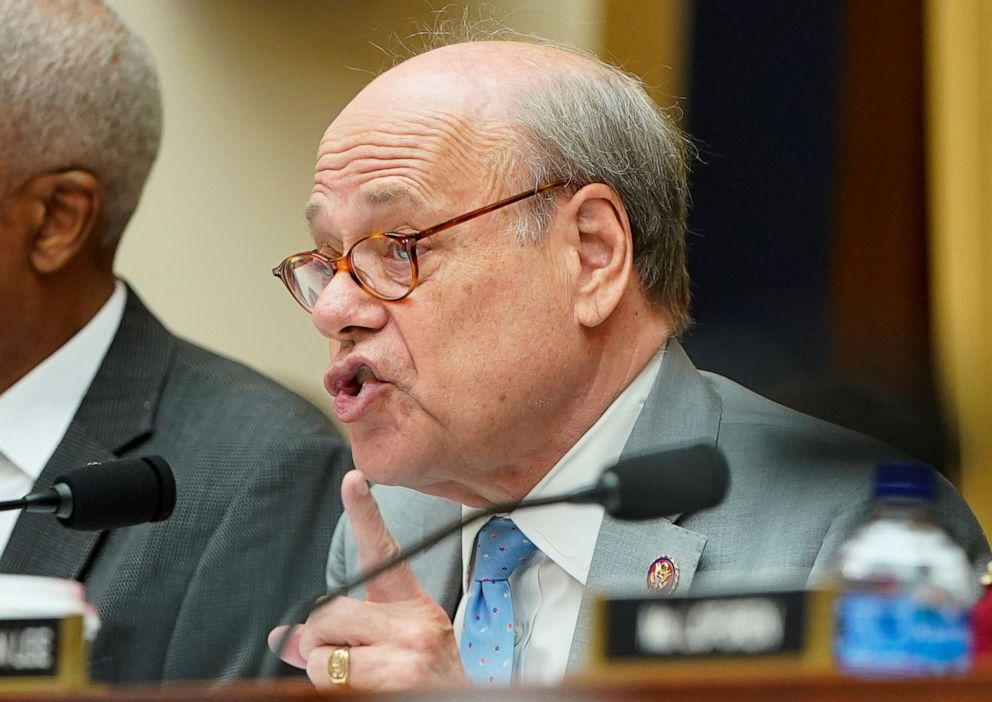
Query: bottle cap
{"x":904,"y":480}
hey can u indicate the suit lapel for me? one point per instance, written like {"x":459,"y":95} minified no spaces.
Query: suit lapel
{"x":680,"y":409}
{"x":115,"y":416}
{"x":440,"y":568}
{"x":39,"y":545}
{"x":620,"y":563}
{"x":121,"y":404}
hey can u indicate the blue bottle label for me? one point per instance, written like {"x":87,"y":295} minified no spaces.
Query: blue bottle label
{"x":900,"y":635}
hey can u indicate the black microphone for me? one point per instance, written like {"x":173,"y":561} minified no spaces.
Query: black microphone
{"x":107,"y":495}
{"x":664,"y":483}
{"x":646,"y":486}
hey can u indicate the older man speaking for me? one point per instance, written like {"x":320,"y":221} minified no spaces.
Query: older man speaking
{"x":516,"y":349}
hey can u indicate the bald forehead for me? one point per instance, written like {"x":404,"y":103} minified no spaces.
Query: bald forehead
{"x":431,"y":124}
{"x":445,"y":108}
{"x":464,"y":90}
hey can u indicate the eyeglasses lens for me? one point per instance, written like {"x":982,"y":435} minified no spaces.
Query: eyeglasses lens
{"x":311,"y":277}
{"x":383,"y":264}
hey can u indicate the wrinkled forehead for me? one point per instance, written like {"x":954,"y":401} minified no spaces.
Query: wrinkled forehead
{"x":425,"y":97}
{"x":428,"y":136}
{"x":461,"y":90}
{"x":405,"y":157}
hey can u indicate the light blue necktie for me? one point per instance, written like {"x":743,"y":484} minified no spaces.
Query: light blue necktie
{"x":487,"y":636}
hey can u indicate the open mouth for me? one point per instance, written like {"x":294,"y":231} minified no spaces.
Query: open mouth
{"x":356,"y":394}
{"x":353,"y":386}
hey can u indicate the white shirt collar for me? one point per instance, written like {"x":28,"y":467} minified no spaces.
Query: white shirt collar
{"x":35,"y":412}
{"x":567,"y":534}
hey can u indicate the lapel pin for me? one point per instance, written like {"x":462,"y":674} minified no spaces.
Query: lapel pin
{"x":663,"y":576}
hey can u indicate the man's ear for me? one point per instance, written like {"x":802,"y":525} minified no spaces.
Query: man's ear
{"x":64,"y":210}
{"x":603,"y":246}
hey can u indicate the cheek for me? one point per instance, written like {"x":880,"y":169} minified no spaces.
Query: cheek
{"x":500,"y":344}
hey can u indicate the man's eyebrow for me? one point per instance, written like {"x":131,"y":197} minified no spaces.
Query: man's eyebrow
{"x":377,"y":197}
{"x":311,"y":211}
{"x":387,"y":195}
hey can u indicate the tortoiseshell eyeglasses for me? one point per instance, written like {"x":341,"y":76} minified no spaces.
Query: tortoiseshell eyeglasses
{"x":383,"y":264}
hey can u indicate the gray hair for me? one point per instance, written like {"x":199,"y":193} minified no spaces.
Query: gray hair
{"x":78,"y":89}
{"x":598,"y":125}
{"x":585,"y":122}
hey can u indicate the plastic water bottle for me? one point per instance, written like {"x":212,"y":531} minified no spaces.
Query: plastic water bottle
{"x":906,"y":589}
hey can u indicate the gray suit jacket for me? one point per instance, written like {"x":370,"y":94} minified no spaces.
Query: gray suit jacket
{"x":798,"y":486}
{"x":257,"y":473}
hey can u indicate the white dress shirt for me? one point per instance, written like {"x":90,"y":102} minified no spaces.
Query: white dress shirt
{"x":35,"y":412}
{"x":547,"y":590}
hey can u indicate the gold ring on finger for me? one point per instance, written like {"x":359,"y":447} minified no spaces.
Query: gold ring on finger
{"x":337,"y":666}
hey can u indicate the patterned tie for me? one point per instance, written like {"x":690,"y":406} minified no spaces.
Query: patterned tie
{"x":487,"y":637}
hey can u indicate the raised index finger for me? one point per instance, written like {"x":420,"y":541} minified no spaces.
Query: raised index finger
{"x":375,"y":543}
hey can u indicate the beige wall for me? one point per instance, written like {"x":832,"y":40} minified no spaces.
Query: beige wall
{"x":249,"y":86}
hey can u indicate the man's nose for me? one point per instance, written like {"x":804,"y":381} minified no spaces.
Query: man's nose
{"x":344,"y":311}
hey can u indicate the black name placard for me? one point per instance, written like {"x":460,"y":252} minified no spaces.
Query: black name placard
{"x":718,"y":628}
{"x":29,"y":647}
{"x":42,"y":653}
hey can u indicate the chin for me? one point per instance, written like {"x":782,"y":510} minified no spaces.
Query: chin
{"x":407,"y":454}
{"x":386,"y":465}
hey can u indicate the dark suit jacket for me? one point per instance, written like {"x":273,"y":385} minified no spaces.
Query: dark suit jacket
{"x":257,"y":472}
{"x":798,"y":487}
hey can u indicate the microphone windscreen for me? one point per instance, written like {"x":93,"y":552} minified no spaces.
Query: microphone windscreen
{"x":120,"y":493}
{"x":669,"y":482}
